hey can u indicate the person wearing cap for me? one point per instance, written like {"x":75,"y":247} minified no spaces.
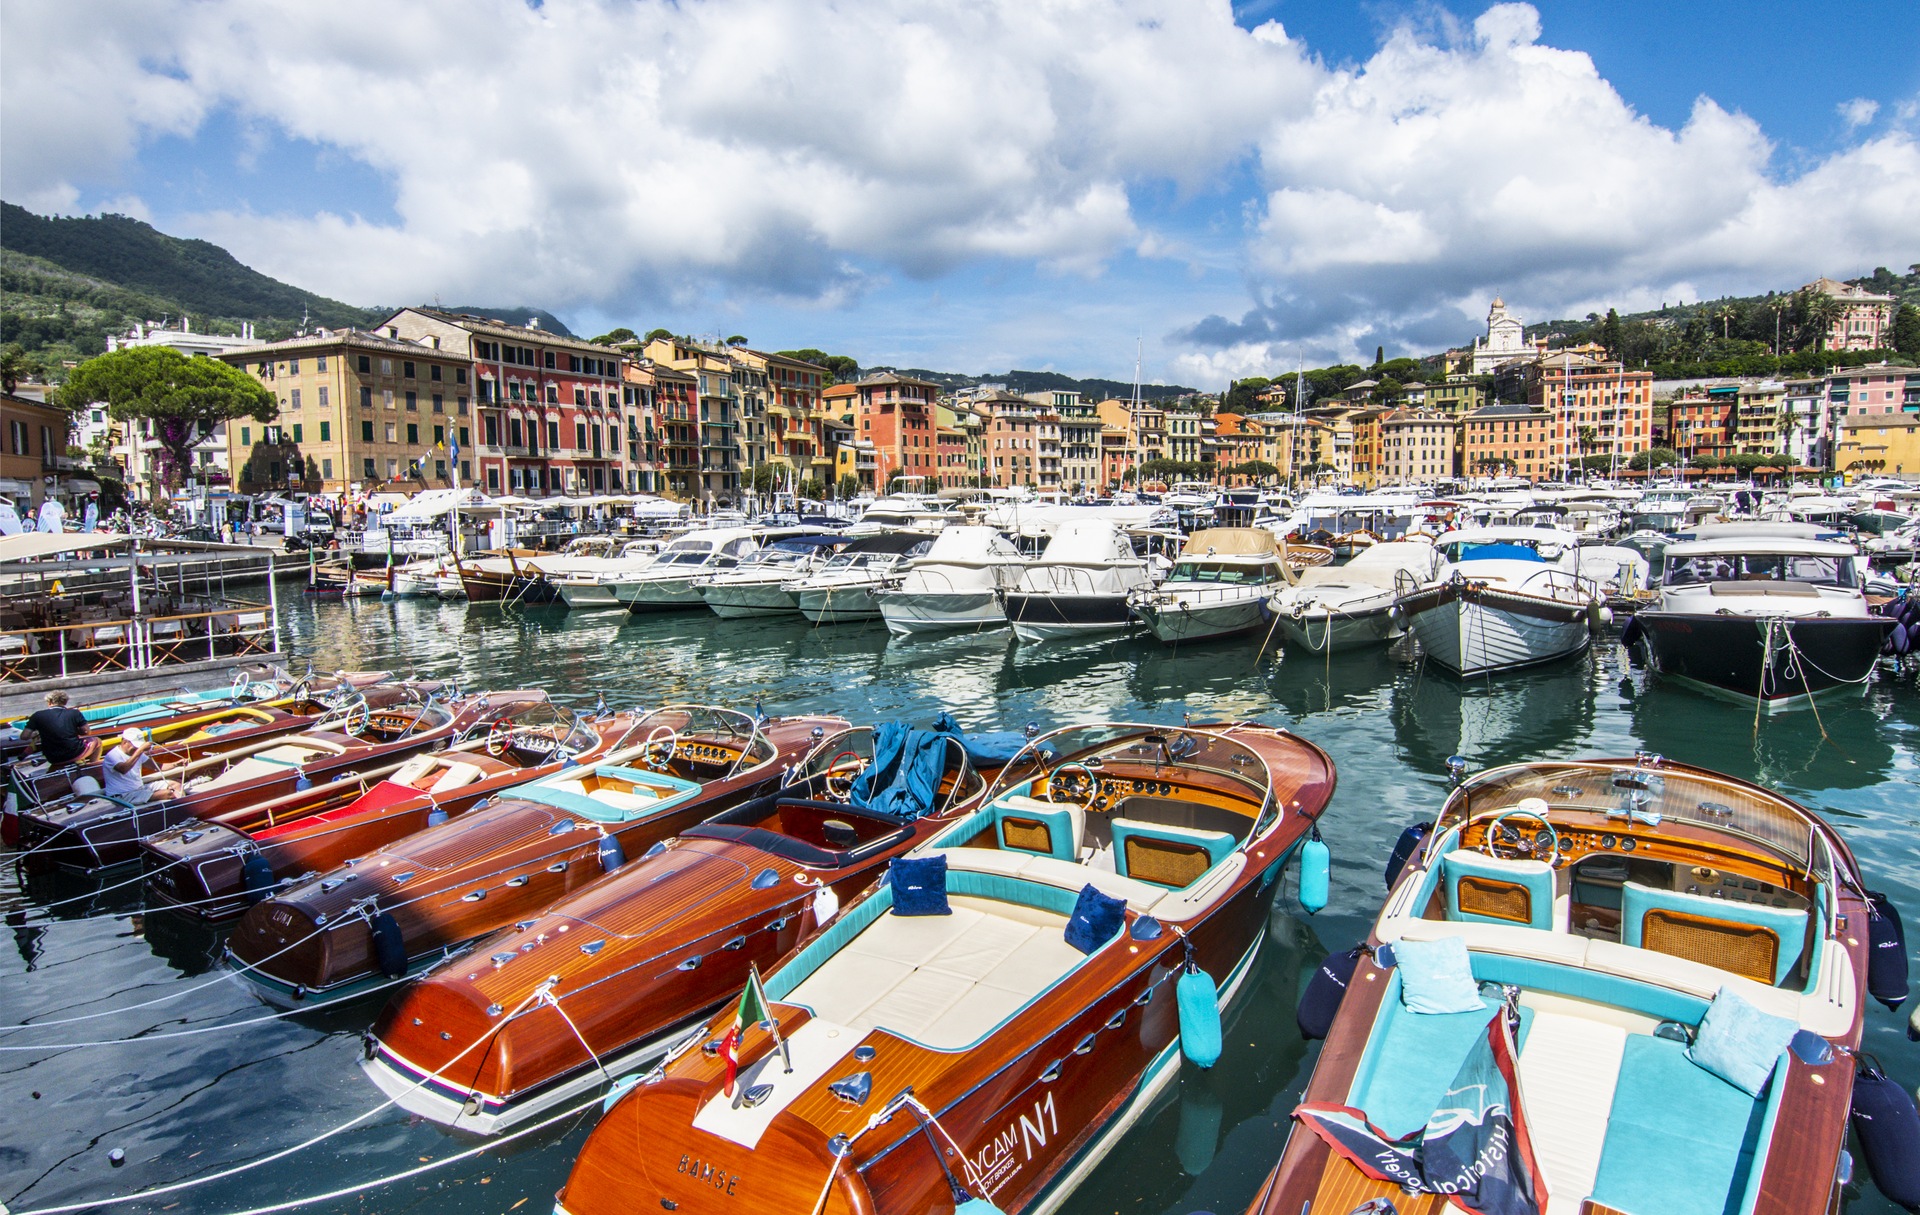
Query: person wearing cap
{"x":122,"y":776}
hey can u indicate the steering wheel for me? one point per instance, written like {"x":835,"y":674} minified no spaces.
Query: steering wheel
{"x":354,"y":718}
{"x":1092,"y":789}
{"x":662,"y":744}
{"x":1522,"y":845}
{"x":840,"y":780}
{"x":241,"y":684}
{"x":499,"y":738}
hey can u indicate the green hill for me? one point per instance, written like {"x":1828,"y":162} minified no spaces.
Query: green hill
{"x":199,"y":277}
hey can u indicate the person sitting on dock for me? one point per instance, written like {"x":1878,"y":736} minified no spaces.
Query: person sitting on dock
{"x":62,"y":733}
{"x":121,"y":777}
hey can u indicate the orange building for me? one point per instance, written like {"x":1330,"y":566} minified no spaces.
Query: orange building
{"x":1605,"y":399}
{"x":1507,"y":440}
{"x":895,"y":413}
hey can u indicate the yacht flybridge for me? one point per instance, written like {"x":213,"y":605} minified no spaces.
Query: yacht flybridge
{"x":1647,"y":981}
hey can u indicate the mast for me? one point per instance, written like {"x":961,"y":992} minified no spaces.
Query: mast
{"x":1133,"y":414}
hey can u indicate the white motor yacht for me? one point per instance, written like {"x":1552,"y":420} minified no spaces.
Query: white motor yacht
{"x":957,"y":584}
{"x":1345,"y":607}
{"x":1506,"y":597}
{"x":762,"y":584}
{"x":1079,"y":585}
{"x":667,"y":583}
{"x":1217,"y":588}
{"x":591,"y":582}
{"x":842,"y":590}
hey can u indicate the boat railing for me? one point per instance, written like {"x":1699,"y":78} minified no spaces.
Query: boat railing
{"x":91,"y":646}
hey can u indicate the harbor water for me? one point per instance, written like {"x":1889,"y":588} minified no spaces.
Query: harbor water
{"x":144,"y":1046}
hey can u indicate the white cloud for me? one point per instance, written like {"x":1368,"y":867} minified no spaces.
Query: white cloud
{"x":1858,"y":112}
{"x":658,"y":158}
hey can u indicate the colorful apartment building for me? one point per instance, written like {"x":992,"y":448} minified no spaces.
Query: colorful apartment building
{"x":547,"y":410}
{"x":1865,"y":320}
{"x":358,"y":411}
{"x":1418,"y":447}
{"x":1878,"y":444}
{"x":1599,"y":406}
{"x":717,"y":420}
{"x":1507,"y":440}
{"x":1079,"y":431}
{"x":35,"y":450}
{"x":895,"y":413}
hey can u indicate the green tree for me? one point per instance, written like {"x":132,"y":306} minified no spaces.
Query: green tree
{"x":613,"y":337}
{"x":1613,"y":334}
{"x":1822,"y":311}
{"x":764,"y":478}
{"x":185,"y":398}
{"x":15,"y":366}
{"x":1906,"y":330}
{"x":812,"y":488}
{"x":737,"y":340}
{"x":1653,"y":457}
{"x":656,"y":334}
{"x":849,"y":485}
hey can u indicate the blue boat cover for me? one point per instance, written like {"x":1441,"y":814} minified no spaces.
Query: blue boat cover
{"x":1498,"y":552}
{"x":904,"y":776}
{"x":992,"y":750}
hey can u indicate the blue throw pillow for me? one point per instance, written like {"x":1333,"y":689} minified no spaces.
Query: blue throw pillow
{"x":1437,"y":976}
{"x":919,"y":886}
{"x":1096,"y":917}
{"x":1739,"y":1043}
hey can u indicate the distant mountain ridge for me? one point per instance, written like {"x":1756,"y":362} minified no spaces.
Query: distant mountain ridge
{"x":519,"y":314}
{"x":1092,"y":388}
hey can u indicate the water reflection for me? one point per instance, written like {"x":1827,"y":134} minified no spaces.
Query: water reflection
{"x":1308,"y":684}
{"x":1843,"y":743}
{"x":1517,"y":716}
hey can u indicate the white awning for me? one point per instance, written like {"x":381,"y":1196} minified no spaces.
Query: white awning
{"x":33,"y":546}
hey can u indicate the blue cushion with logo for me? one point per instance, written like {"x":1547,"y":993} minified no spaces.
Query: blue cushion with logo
{"x":919,"y":886}
{"x":1096,"y":917}
{"x":1739,"y":1043}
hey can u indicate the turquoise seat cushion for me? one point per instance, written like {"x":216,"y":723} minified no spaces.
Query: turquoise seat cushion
{"x":1789,"y":924}
{"x":1680,"y":1140}
{"x":1414,"y":1058}
{"x":1739,"y":1043}
{"x":1062,"y":833}
{"x":1218,"y":845}
{"x":1436,"y":976}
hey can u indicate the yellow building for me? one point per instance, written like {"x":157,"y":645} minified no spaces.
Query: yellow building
{"x":1418,"y":447}
{"x":1878,"y":443}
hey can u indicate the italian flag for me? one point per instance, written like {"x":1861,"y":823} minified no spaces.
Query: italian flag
{"x":753,"y":1010}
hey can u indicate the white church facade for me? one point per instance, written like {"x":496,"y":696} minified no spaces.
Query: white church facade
{"x":1506,"y":341}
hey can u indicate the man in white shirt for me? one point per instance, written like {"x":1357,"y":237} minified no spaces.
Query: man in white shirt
{"x":121,"y":776}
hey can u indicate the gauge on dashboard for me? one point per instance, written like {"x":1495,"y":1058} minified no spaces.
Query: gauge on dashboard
{"x":1608,"y":841}
{"x":1629,"y":844}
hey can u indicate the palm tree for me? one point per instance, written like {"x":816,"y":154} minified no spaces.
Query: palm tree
{"x":1787,"y":422}
{"x":13,"y":367}
{"x":1822,"y":311}
{"x":1725,"y":315}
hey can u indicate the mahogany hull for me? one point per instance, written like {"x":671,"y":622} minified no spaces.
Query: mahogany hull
{"x":446,"y":885}
{"x":199,"y":868}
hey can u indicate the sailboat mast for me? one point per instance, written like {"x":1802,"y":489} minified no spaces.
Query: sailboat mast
{"x":1139,"y":441}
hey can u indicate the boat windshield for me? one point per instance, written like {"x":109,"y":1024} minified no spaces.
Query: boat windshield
{"x":1760,"y":567}
{"x":1221,"y":571}
{"x":726,"y":727}
{"x":1137,"y":748}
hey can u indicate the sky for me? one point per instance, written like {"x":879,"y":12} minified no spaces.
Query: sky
{"x":1223,"y":189}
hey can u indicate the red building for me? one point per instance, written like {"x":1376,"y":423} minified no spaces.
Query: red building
{"x":549,"y":410}
{"x":895,"y":413}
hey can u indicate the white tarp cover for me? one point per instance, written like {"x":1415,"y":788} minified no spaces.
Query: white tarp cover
{"x":33,"y":546}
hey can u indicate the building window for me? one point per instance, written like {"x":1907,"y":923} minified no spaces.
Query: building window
{"x":366,"y":468}
{"x":392,"y":433}
{"x":460,"y":406}
{"x":246,"y":439}
{"x":459,"y":375}
{"x":366,"y":365}
{"x":296,"y":432}
{"x":406,"y":369}
{"x":326,"y":469}
{"x":464,"y":441}
{"x":439,"y":403}
{"x":366,"y":432}
{"x":413,"y":434}
{"x":413,"y":402}
{"x":293,"y":366}
{"x":493,"y":480}
{"x":433,"y":373}
{"x":386,"y":366}
{"x":326,"y":429}
{"x":296,"y":398}
{"x":386,"y":397}
{"x":439,"y":435}
{"x":366,"y":398}
{"x":393,"y":469}
{"x":323,"y":396}
{"x":579,"y":435}
{"x":553,"y":435}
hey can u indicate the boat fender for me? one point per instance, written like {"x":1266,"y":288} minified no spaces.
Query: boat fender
{"x":1599,"y":616}
{"x":612,"y":856}
{"x":977,"y":1206}
{"x":1887,"y":958}
{"x":621,"y":1087}
{"x":1325,"y":990}
{"x":1630,"y":632}
{"x":389,"y":947}
{"x":436,"y":816}
{"x":1404,"y":848}
{"x":301,"y":784}
{"x":256,"y":876}
{"x":1199,"y":1003}
{"x":1316,"y":862}
{"x":1901,"y":639}
{"x":1888,"y":1127}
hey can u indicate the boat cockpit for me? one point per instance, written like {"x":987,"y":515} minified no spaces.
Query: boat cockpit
{"x":698,"y":742}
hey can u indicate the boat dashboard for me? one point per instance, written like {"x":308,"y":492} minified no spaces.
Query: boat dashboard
{"x":816,"y":834}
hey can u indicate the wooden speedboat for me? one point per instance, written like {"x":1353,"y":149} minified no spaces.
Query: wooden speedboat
{"x":675,"y":933}
{"x":92,"y":831}
{"x":490,"y":577}
{"x":216,"y":868}
{"x":927,"y":1060}
{"x":1613,"y":905}
{"x":403,"y":907}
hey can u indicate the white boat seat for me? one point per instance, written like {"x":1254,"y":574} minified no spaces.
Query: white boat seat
{"x":456,"y":775}
{"x":411,"y":772}
{"x":573,"y":785}
{"x":1027,"y":824}
{"x":1140,"y":896}
{"x":1568,"y":1070}
{"x":621,"y":799}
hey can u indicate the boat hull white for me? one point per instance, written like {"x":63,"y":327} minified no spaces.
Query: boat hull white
{"x":839,"y":604}
{"x":589,"y":596}
{"x":1175,"y":619}
{"x":731,"y":601}
{"x":908,"y":613}
{"x":1319,"y":631}
{"x":1473,"y":630}
{"x":661,"y":595}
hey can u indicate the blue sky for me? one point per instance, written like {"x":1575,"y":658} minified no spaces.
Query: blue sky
{"x":992,"y":185}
